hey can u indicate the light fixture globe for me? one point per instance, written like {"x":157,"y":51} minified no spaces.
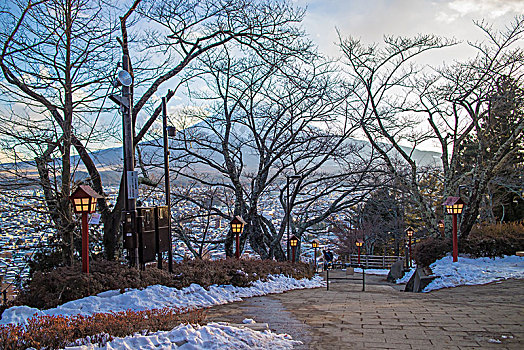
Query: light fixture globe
{"x":314,"y":244}
{"x":359,"y":243}
{"x":125,"y":78}
{"x":410,"y":231}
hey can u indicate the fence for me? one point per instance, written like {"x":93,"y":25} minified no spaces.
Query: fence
{"x":371,"y":261}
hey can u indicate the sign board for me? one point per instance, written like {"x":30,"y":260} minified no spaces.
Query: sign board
{"x":132,"y":184}
{"x":95,"y":219}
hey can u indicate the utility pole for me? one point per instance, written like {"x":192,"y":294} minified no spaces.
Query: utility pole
{"x":130,"y":176}
{"x":167,"y":186}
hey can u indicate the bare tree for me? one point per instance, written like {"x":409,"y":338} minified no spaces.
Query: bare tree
{"x":401,"y":105}
{"x":56,"y":64}
{"x":262,"y":119}
{"x":54,"y":58}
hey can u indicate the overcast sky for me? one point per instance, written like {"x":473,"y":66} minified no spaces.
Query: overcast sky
{"x":370,"y":20}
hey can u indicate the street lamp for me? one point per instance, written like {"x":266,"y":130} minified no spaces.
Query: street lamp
{"x":454,"y":206}
{"x":315,"y":245}
{"x":84,"y":202}
{"x":359,"y":244}
{"x":288,"y":181}
{"x":237,"y":226}
{"x":409,"y":233}
{"x":293,"y":242}
{"x":441,"y":228}
{"x":171,"y":132}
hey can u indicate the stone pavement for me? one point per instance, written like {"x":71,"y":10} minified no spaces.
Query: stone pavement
{"x":470,"y":317}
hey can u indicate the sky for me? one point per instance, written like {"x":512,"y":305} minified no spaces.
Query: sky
{"x":370,"y":20}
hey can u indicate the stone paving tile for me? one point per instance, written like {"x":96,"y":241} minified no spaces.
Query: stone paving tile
{"x":344,"y":317}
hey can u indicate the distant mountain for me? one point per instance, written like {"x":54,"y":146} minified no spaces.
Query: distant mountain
{"x":110,"y":161}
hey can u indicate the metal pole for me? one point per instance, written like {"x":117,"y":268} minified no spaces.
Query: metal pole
{"x":363,"y":279}
{"x":358,"y":262}
{"x":293,"y":252}
{"x":129,"y":151}
{"x":85,"y":244}
{"x":167,"y":186}
{"x":288,"y":215}
{"x":455,"y":239}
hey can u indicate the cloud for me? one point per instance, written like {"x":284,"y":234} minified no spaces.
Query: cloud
{"x":486,"y":8}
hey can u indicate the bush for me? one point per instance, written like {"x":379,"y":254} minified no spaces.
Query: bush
{"x":55,"y":332}
{"x":430,"y":250}
{"x":486,"y":240}
{"x":492,"y":240}
{"x":52,"y":288}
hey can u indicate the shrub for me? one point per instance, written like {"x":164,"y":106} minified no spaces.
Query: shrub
{"x":486,"y":240}
{"x":55,"y":332}
{"x":491,"y":240}
{"x":50,"y":289}
{"x":430,"y":250}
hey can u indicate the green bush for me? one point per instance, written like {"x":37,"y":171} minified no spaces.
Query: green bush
{"x":49,"y":289}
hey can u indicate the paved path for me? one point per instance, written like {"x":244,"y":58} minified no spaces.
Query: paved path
{"x":471,"y":317}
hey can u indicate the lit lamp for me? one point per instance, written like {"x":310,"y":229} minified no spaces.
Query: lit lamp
{"x":409,"y":233}
{"x":84,"y":202}
{"x":237,"y":226}
{"x":293,"y":242}
{"x":441,"y":228}
{"x":359,"y":244}
{"x":314,"y":245}
{"x":454,"y":206}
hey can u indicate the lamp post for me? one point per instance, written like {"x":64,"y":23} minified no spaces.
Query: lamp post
{"x":441,"y":228}
{"x":293,"y":242}
{"x":454,"y":206}
{"x":288,"y":181}
{"x":314,"y":245}
{"x":359,"y":244}
{"x":84,"y":202}
{"x":409,"y":233}
{"x":167,"y":131}
{"x":237,"y":226}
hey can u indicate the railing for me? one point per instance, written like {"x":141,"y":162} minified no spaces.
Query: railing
{"x":371,"y":261}
{"x":363,"y":278}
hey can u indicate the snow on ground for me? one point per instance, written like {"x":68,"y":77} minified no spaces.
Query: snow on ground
{"x":407,"y":276}
{"x":157,"y":297}
{"x":474,"y":271}
{"x":381,"y":272}
{"x":210,"y":336}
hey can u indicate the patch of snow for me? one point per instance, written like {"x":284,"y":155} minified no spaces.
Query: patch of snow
{"x":193,"y":337}
{"x":469,"y":271}
{"x":407,"y":276}
{"x":158,"y":296}
{"x":248,"y":321}
{"x":496,"y":341}
{"x":381,"y":272}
